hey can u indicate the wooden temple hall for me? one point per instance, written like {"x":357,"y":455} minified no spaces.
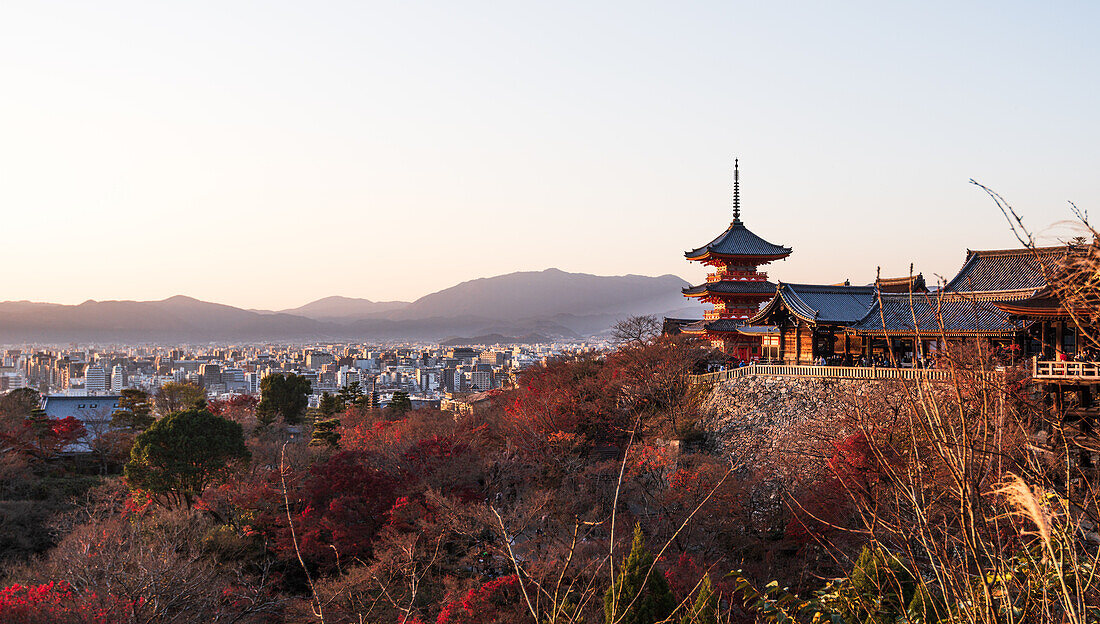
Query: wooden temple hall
{"x":1000,"y":297}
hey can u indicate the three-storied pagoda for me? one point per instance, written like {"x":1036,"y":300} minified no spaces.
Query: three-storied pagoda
{"x":736,"y":287}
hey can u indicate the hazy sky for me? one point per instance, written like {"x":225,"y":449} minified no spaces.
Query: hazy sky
{"x":266,"y":154}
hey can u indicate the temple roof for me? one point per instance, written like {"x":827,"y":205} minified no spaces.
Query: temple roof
{"x":959,"y":314}
{"x":820,"y":303}
{"x":912,"y":283}
{"x":1006,"y":269}
{"x":737,"y":240}
{"x":1044,"y":303}
{"x":730,"y":287}
{"x":717,"y":325}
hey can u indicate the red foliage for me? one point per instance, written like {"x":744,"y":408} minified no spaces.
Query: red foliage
{"x":495,"y":602}
{"x":346,"y":500}
{"x":61,"y":604}
{"x":854,"y":463}
{"x":237,"y":407}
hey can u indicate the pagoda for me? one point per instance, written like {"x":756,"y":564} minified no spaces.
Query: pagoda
{"x":735,"y":287}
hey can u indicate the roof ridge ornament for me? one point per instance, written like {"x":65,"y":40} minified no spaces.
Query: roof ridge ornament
{"x":736,"y":194}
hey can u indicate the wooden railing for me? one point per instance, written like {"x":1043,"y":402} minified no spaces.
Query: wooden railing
{"x":1065,"y":370}
{"x":832,"y":372}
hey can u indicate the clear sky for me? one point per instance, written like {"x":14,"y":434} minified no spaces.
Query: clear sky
{"x":265,"y":154}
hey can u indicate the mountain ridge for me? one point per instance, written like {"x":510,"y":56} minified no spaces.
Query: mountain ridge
{"x":551,"y":303}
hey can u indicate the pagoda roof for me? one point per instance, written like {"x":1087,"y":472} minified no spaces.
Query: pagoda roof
{"x":1007,"y":270}
{"x":730,"y":287}
{"x":737,"y":240}
{"x":820,"y":303}
{"x":897,"y":314}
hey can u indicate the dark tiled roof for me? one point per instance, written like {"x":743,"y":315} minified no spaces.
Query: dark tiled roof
{"x":1006,"y":269}
{"x":819,"y":303}
{"x":737,"y":240}
{"x":695,"y":327}
{"x":913,"y":283}
{"x":960,"y":315}
{"x":724,"y":325}
{"x":731,"y":287}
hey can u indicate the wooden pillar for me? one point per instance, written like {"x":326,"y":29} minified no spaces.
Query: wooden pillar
{"x":1059,"y":333}
{"x":798,"y":342}
{"x":782,"y":344}
{"x":847,"y":344}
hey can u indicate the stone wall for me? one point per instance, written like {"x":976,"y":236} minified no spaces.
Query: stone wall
{"x":757,"y":418}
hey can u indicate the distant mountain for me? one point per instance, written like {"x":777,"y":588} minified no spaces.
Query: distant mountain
{"x":338,"y":308}
{"x":178,"y":318}
{"x":551,"y":304}
{"x":493,"y":339}
{"x":543,"y":294}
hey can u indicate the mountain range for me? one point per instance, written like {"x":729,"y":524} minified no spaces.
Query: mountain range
{"x":551,"y":303}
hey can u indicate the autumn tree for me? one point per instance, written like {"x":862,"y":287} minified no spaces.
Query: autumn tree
{"x":134,"y":411}
{"x":639,"y":594}
{"x":283,"y":396}
{"x":178,"y":456}
{"x":636,"y":331}
{"x":175,"y":397}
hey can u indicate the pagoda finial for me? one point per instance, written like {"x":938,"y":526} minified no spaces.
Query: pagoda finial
{"x":736,"y":193}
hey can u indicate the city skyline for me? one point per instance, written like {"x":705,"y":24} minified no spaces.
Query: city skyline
{"x":387,"y":152}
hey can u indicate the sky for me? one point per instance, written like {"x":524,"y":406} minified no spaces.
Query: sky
{"x":266,"y":154}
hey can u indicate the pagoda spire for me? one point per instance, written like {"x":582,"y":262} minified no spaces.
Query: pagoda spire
{"x":736,"y":193}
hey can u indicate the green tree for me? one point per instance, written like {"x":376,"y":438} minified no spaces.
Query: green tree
{"x":633,"y":598}
{"x":175,"y":397}
{"x":325,"y":433}
{"x":283,"y":396}
{"x":134,"y":412}
{"x":705,"y":609}
{"x":178,"y":456}
{"x":400,"y":403}
{"x":351,"y":394}
{"x":330,"y":405}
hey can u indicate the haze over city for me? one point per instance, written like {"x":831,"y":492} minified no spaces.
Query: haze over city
{"x":265,"y":155}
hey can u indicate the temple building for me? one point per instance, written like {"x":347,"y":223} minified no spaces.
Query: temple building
{"x":805,"y":322}
{"x":735,"y":286}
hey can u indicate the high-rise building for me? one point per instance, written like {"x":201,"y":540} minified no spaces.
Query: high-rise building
{"x":118,"y":378}
{"x":95,"y":378}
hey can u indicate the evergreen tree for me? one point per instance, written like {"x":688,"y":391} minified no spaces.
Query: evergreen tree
{"x":705,"y":609}
{"x":135,"y":411}
{"x":400,"y":403}
{"x":652,"y":599}
{"x":283,"y":395}
{"x":325,"y":433}
{"x":329,"y":405}
{"x":182,"y":453}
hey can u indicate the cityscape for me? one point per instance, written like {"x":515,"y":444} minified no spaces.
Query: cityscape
{"x":549,"y":313}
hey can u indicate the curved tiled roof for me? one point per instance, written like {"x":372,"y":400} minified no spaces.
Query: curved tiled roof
{"x":731,"y":287}
{"x":820,"y":303}
{"x":959,"y":314}
{"x":737,"y":240}
{"x":1006,"y":269}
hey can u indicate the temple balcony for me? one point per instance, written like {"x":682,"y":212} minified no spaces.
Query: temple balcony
{"x":744,"y":276}
{"x":1065,"y":371}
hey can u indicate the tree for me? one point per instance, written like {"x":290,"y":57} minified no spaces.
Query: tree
{"x":329,"y":405}
{"x":283,"y":396}
{"x":351,"y":394}
{"x":134,"y":411}
{"x":20,"y":402}
{"x":633,"y":598}
{"x":178,"y":456}
{"x":705,"y":609}
{"x":636,"y":331}
{"x":175,"y":397}
{"x":326,"y":432}
{"x":400,"y":403}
